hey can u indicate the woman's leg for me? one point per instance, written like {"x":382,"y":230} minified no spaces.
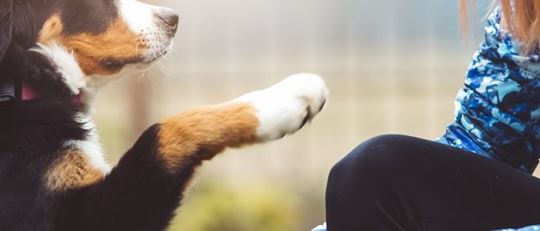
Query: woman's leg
{"x":403,"y":183}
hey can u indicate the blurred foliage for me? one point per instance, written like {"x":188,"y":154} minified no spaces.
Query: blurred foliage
{"x":221,"y":207}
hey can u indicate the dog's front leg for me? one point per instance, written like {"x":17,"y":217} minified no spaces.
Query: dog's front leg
{"x":142,"y":192}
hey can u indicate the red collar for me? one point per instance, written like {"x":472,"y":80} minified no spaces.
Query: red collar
{"x":11,"y":91}
{"x":27,"y":93}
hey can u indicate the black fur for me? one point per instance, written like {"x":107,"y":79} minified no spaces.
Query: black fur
{"x":102,"y":13}
{"x":6,"y":27}
{"x":137,"y":195}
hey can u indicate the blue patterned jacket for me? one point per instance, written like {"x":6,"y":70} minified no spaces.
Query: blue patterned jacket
{"x":498,"y":109}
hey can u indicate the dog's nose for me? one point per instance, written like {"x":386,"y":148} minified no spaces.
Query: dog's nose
{"x":169,"y":17}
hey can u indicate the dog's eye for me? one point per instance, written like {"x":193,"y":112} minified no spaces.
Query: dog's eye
{"x":112,"y":64}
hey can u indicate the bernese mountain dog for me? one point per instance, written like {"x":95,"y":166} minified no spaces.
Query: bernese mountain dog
{"x":54,"y":56}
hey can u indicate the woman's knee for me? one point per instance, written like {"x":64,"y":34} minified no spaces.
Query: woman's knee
{"x":364,"y":172}
{"x":376,"y":155}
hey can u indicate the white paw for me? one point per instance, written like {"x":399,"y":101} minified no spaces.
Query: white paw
{"x":286,"y":106}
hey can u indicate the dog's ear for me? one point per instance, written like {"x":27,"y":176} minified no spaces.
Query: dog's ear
{"x":6,"y":26}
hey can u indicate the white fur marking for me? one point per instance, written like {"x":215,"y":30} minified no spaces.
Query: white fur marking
{"x":282,"y":108}
{"x":91,"y":146}
{"x":137,"y":15}
{"x":142,"y":21}
{"x":66,"y":64}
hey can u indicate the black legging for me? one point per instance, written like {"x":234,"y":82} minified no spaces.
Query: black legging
{"x":397,"y":182}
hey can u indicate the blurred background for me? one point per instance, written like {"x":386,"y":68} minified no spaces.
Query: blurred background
{"x":392,"y":66}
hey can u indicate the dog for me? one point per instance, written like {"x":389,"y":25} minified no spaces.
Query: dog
{"x":54,"y":56}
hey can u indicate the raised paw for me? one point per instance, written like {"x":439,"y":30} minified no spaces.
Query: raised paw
{"x":287,"y":106}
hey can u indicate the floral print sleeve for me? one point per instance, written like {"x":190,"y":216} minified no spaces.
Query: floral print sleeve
{"x":498,"y":109}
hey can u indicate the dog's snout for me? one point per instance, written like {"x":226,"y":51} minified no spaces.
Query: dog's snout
{"x":170,"y":18}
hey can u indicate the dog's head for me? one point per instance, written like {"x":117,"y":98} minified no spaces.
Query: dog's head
{"x":89,"y":42}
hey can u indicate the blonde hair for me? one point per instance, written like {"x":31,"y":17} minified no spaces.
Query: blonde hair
{"x":520,"y":17}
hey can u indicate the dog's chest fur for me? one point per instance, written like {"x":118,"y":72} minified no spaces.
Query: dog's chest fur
{"x":29,"y":146}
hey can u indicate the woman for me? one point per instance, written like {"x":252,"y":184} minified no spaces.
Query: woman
{"x":477,"y":176}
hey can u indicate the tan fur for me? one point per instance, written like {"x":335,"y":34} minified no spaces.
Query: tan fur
{"x":51,"y":30}
{"x":71,"y":171}
{"x":118,"y":42}
{"x":203,"y":132}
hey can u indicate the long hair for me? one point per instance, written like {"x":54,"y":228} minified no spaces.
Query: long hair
{"x":521,"y":18}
